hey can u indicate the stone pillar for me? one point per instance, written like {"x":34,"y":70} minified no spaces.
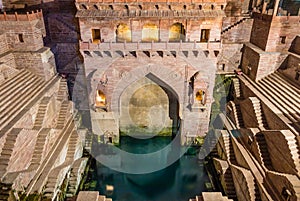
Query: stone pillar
{"x":276,"y":7}
{"x":264,"y":8}
{"x":258,"y":2}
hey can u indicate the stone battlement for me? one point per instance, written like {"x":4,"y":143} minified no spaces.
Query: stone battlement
{"x":151,"y":1}
{"x":151,"y":5}
{"x":21,"y":17}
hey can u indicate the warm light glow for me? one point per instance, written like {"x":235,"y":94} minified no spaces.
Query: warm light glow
{"x":100,"y":99}
{"x":199,"y":95}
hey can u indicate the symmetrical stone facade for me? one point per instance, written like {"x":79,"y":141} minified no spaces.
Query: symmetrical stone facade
{"x":163,"y":55}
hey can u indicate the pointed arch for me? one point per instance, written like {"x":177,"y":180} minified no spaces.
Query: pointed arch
{"x":150,"y":33}
{"x":123,"y":33}
{"x":177,"y":32}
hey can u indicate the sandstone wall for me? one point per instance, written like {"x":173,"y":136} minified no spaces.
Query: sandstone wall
{"x":260,"y":30}
{"x":277,"y":182}
{"x":295,"y":46}
{"x":239,"y":33}
{"x":273,"y":121}
{"x":243,"y":183}
{"x":24,"y":35}
{"x":108,"y":28}
{"x":3,"y":44}
{"x":39,"y":62}
{"x":282,"y":26}
{"x":8,"y":59}
{"x":280,"y":154}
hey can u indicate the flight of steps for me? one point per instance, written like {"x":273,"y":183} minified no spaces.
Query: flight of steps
{"x":237,"y":88}
{"x":8,"y":148}
{"x":281,"y":94}
{"x":239,"y":122}
{"x":228,"y":147}
{"x":62,"y":114}
{"x":235,"y":24}
{"x":40,"y":178}
{"x":71,"y":28}
{"x":292,"y":143}
{"x":62,"y":90}
{"x":74,"y":138}
{"x":38,"y":122}
{"x":229,"y":188}
{"x":5,"y":190}
{"x":92,"y":195}
{"x":260,"y":117}
{"x":263,"y":150}
{"x":257,"y":193}
{"x":16,"y":92}
{"x":39,"y":147}
{"x":76,"y":172}
{"x":6,"y":72}
{"x":54,"y":180}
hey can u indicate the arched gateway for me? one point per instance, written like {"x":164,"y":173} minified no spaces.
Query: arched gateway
{"x":146,"y":97}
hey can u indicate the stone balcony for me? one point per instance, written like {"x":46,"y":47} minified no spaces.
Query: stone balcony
{"x":155,"y":46}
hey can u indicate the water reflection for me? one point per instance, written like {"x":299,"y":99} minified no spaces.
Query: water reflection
{"x":182,"y":180}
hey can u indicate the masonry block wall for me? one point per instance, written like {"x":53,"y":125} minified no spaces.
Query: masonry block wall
{"x":260,"y":30}
{"x":239,"y":33}
{"x":283,"y":31}
{"x":295,"y":46}
{"x":23,"y":32}
{"x":3,"y":44}
{"x":24,"y":36}
{"x":280,"y":154}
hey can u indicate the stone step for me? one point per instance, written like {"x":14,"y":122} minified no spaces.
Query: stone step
{"x":287,"y":85}
{"x":13,"y":108}
{"x":284,"y":102}
{"x":14,"y":85}
{"x":283,"y":91}
{"x":15,"y":94}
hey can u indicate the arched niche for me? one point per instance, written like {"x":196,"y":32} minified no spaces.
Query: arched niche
{"x":123,"y":33}
{"x":177,"y":32}
{"x":150,"y":33}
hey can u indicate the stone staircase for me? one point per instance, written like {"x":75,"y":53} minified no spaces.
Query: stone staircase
{"x":8,"y":148}
{"x":256,"y":192}
{"x":63,"y":90}
{"x":235,"y":24}
{"x":55,"y":179}
{"x":40,"y":178}
{"x":38,"y":122}
{"x":39,"y":147}
{"x":72,"y":145}
{"x":229,"y":188}
{"x":62,"y":115}
{"x":260,"y":117}
{"x":71,"y":28}
{"x":16,"y":93}
{"x":76,"y":174}
{"x":288,"y":100}
{"x":294,"y":148}
{"x":5,"y":190}
{"x":237,"y":88}
{"x":6,"y":72}
{"x":228,"y":147}
{"x":238,"y":119}
{"x":282,"y":95}
{"x":263,"y":151}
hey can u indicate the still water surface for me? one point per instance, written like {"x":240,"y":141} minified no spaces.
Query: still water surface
{"x":182,"y":180}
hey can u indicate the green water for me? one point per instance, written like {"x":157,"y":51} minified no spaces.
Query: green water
{"x":182,"y":180}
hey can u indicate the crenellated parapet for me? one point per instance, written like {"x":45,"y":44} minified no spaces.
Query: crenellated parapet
{"x":151,"y":5}
{"x":22,"y":17}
